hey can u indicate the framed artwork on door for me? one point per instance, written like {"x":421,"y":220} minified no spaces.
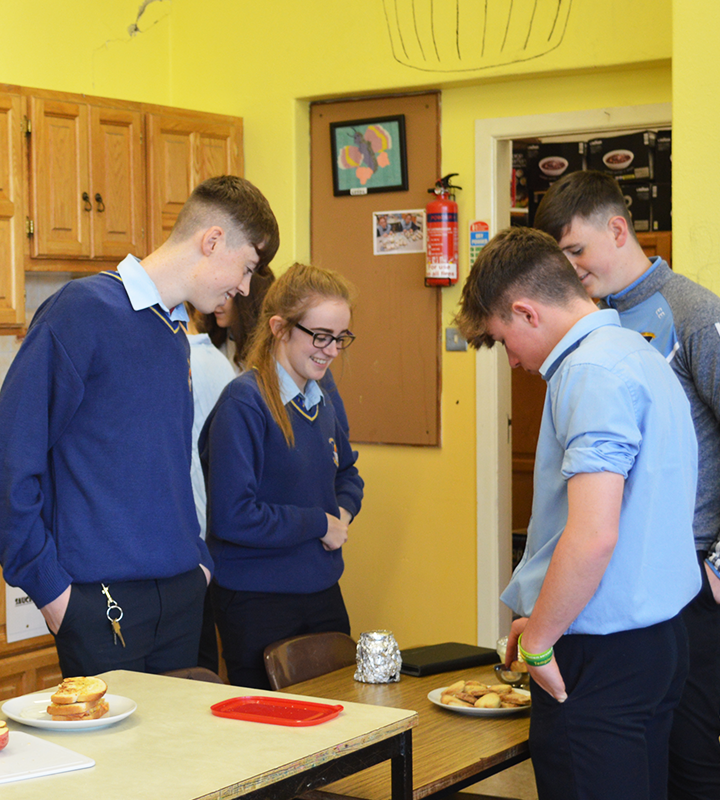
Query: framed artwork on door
{"x":368,"y":155}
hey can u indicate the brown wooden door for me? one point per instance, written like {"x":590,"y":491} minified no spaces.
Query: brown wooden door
{"x":390,"y":379}
{"x":59,"y":176}
{"x":117,"y":188}
{"x":528,"y":398}
{"x":12,"y":294}
{"x":182,"y":152}
{"x":657,"y":243}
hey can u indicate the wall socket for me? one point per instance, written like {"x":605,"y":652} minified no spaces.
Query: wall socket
{"x":454,"y":340}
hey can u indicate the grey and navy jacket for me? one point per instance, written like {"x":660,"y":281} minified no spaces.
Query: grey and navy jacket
{"x":682,"y":320}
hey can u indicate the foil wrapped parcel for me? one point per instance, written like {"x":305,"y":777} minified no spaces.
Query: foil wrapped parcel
{"x":378,"y":658}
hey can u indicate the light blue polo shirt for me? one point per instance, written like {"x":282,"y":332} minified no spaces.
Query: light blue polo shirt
{"x":613,"y":404}
{"x":142,"y":292}
{"x":289,"y":390}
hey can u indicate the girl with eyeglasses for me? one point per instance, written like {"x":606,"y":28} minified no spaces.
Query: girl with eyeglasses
{"x":281,"y":479}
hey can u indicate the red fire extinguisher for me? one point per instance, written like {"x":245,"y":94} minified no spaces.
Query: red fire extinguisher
{"x":441,"y":268}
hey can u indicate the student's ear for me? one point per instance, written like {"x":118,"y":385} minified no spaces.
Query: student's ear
{"x":278,"y":327}
{"x":619,"y":228}
{"x":210,"y":239}
{"x":526,"y":311}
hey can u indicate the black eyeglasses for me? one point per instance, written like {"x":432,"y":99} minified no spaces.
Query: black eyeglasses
{"x":323,"y":340}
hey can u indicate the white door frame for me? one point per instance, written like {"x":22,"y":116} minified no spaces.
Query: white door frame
{"x":493,"y":157}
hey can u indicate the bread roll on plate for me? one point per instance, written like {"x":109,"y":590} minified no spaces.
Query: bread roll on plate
{"x":79,"y":690}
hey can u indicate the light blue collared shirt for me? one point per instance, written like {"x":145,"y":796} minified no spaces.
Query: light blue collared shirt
{"x":613,"y":404}
{"x":142,"y":292}
{"x":289,"y":390}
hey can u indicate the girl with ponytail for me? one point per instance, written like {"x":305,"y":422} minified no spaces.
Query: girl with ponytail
{"x":281,"y":479}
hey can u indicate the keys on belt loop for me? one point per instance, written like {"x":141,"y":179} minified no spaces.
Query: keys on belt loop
{"x":114,"y":615}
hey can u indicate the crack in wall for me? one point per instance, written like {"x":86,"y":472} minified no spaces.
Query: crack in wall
{"x":134,"y":29}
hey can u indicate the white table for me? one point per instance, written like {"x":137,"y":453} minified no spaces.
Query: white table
{"x":174,"y":747}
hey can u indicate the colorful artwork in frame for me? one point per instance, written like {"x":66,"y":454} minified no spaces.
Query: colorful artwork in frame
{"x":368,"y":155}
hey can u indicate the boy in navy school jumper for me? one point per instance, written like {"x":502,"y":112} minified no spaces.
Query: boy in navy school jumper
{"x":282,"y":485}
{"x":586,"y":213}
{"x":96,"y":412}
{"x":610,"y":560}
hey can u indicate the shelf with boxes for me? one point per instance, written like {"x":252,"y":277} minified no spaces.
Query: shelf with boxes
{"x":641,"y":162}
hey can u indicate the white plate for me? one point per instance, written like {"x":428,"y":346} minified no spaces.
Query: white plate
{"x":434,"y":697}
{"x":26,"y":756}
{"x":30,"y":709}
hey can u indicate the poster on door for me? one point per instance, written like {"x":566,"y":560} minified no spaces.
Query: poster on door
{"x":23,"y":619}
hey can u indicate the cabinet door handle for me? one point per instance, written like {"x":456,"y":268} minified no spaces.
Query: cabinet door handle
{"x":86,"y":200}
{"x":100,"y":204}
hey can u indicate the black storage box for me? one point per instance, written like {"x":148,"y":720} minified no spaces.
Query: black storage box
{"x":661,"y":201}
{"x":626,"y":158}
{"x":519,"y":184}
{"x":547,"y":162}
{"x":637,"y":199}
{"x":663,"y":157}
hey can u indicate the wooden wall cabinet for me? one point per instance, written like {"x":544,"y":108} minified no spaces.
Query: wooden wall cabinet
{"x":182,"y":152}
{"x":107,"y":177}
{"x":86,"y":180}
{"x":12,"y":227}
{"x":118,"y":193}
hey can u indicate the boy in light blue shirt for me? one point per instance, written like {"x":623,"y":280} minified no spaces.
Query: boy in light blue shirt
{"x":610,"y":559}
{"x":585,"y":212}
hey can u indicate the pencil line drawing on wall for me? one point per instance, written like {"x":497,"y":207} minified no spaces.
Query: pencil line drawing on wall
{"x":468,"y":35}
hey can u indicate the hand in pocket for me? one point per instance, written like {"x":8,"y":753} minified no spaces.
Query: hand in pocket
{"x":54,"y":612}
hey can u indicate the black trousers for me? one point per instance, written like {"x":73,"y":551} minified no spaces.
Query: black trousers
{"x":249,"y":621}
{"x":161,"y":626}
{"x":609,"y":739}
{"x":694,"y":746}
{"x":208,"y":655}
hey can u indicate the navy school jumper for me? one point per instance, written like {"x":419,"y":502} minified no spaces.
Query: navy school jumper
{"x":95,"y":444}
{"x":267,"y":502}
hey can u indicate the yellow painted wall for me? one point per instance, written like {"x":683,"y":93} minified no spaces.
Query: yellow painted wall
{"x":412,"y":558}
{"x":696,"y":112}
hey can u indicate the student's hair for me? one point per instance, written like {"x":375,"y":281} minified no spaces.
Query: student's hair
{"x":237,"y":205}
{"x":246,"y":311}
{"x":591,"y":195}
{"x":517,"y":262}
{"x":291,"y":296}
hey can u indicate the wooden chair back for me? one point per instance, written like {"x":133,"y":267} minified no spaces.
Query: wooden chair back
{"x":195,"y":674}
{"x":303,"y":657}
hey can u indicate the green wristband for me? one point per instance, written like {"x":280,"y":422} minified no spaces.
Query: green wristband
{"x":535,"y":659}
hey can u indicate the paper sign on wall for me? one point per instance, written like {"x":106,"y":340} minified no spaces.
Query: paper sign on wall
{"x":479,"y":237}
{"x":23,"y":619}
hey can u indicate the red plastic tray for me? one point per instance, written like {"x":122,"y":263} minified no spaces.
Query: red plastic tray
{"x":275,"y":710}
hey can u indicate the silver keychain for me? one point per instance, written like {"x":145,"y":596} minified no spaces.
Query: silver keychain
{"x":114,"y":620}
